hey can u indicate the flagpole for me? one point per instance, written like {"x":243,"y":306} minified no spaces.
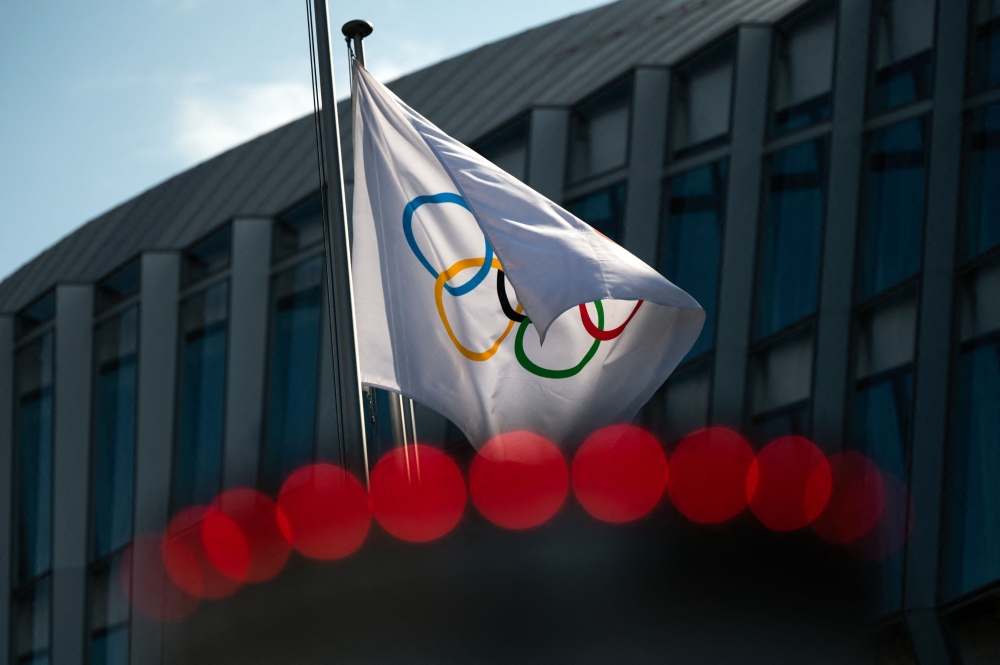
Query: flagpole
{"x":336,"y":240}
{"x":355,"y":31}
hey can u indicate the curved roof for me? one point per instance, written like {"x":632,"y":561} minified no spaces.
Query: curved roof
{"x":467,"y":95}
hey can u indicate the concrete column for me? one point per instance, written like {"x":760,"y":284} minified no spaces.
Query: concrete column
{"x":158,"y":326}
{"x":74,"y":350}
{"x":650,"y":92}
{"x":547,"y":151}
{"x":836,"y":292}
{"x":6,"y":480}
{"x":753,"y":56}
{"x":247,"y":352}
{"x":934,"y":343}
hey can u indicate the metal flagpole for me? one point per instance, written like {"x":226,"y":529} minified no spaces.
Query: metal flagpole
{"x":339,"y":283}
{"x":403,"y":433}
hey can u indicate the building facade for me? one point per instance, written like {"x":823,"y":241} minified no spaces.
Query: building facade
{"x":823,"y":176}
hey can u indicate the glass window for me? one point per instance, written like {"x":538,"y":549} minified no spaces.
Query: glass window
{"x":904,"y":52}
{"x":986,"y":57}
{"x":792,"y":237}
{"x":32,"y":616}
{"x":207,"y":257}
{"x":293,"y":377}
{"x":117,"y":287}
{"x":299,"y":229}
{"x":781,"y":387}
{"x":198,"y":452}
{"x":508,"y":148}
{"x":883,"y":411}
{"x":680,"y":406}
{"x":982,"y":197}
{"x":33,"y":459}
{"x":894,"y":210}
{"x":603,"y":210}
{"x":599,"y":133}
{"x":975,"y":504}
{"x":691,"y":238}
{"x":803,"y":69}
{"x":109,"y":616}
{"x":701,"y":91}
{"x":114,"y":433}
{"x":35,"y":314}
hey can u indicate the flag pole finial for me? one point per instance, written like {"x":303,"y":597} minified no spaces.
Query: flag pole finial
{"x":356,"y":31}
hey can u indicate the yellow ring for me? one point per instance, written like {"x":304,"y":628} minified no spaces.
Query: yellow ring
{"x":443,"y":277}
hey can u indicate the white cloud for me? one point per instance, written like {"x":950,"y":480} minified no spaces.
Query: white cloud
{"x":207,"y":122}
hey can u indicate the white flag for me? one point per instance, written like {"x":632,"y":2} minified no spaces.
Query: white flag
{"x":434,"y":224}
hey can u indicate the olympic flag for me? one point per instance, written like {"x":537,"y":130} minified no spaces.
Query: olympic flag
{"x":461,"y":272}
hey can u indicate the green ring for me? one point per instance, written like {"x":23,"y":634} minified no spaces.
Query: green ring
{"x":526,"y":363}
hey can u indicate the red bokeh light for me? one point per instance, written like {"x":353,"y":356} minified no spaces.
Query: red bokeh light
{"x":323,"y":512}
{"x":788,"y":484}
{"x":518,"y":480}
{"x":708,"y":475}
{"x":856,"y":500}
{"x":186,"y":561}
{"x":242,"y":537}
{"x":146,"y":585}
{"x":889,"y":535}
{"x":417,"y":493}
{"x":619,"y":473}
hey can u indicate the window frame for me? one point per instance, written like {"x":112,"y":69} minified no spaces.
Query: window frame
{"x":525,"y":117}
{"x":871,"y":75}
{"x":570,"y":184}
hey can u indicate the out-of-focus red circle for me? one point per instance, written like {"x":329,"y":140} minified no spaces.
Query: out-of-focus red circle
{"x":789,"y":483}
{"x":323,"y":512}
{"x":148,"y":587}
{"x":708,"y":475}
{"x":893,"y":528}
{"x":856,"y":500}
{"x":242,"y":537}
{"x":186,"y":561}
{"x":518,"y":480}
{"x":417,"y":493}
{"x":619,"y":473}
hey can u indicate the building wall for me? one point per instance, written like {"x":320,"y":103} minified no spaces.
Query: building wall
{"x":822,"y":184}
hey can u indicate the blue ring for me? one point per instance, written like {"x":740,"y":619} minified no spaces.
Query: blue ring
{"x":444,"y":197}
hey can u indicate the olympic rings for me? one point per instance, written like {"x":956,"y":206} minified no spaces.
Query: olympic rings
{"x":439,"y":285}
{"x":526,"y":363}
{"x":444,"y":197}
{"x":514,"y":315}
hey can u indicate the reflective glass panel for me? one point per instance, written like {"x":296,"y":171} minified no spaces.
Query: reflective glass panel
{"x":508,"y":148}
{"x":116,"y":288}
{"x":982,"y":199}
{"x":207,"y":257}
{"x":35,"y":314}
{"x":109,"y":616}
{"x":691,"y":238}
{"x":298,"y":229}
{"x":892,"y":232}
{"x":202,"y":389}
{"x":904,"y":52}
{"x":680,"y":406}
{"x":603,"y":210}
{"x":599,"y":133}
{"x":700,"y":108}
{"x":781,"y":386}
{"x":975,"y":493}
{"x":31,"y":632}
{"x":378,"y":423}
{"x":293,"y":372}
{"x":114,"y":432}
{"x":33,"y":459}
{"x":986,"y":57}
{"x":803,"y":69}
{"x":791,"y":237}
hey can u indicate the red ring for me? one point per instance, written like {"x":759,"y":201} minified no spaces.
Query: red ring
{"x":604,"y":335}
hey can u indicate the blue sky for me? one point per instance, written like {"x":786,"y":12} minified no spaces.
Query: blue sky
{"x":102,"y":100}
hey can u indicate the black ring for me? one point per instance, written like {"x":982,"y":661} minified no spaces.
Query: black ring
{"x":504,"y":303}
